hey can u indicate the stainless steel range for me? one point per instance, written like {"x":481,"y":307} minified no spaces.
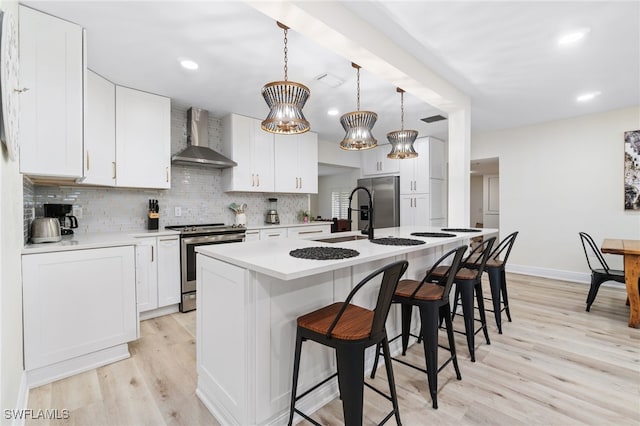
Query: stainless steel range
{"x":192,"y":236}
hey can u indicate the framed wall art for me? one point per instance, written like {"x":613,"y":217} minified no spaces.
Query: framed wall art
{"x":9,"y":84}
{"x":632,"y":170}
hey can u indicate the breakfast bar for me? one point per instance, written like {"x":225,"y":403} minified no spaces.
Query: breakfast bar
{"x":250,"y":295}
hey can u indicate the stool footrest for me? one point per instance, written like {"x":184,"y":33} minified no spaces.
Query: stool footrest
{"x":308,"y":391}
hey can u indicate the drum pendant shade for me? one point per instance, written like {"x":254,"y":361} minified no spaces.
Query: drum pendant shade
{"x":358,"y":125}
{"x":402,"y":140}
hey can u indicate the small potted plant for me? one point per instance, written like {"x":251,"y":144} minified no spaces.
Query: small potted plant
{"x":304,"y":216}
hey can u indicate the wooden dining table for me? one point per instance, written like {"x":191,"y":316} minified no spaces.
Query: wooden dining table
{"x":630,"y":249}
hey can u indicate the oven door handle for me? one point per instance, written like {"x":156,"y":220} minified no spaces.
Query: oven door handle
{"x":212,"y":239}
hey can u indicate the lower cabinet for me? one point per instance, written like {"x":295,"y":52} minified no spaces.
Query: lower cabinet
{"x":252,"y":235}
{"x":76,"y":305}
{"x":266,"y":234}
{"x":305,"y":232}
{"x":157,"y":272}
{"x":414,"y":210}
{"x":308,"y":231}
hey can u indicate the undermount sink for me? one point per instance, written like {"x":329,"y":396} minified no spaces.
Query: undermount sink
{"x":343,"y":239}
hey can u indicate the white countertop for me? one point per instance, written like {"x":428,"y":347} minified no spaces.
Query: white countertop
{"x":271,"y":257}
{"x":290,"y":225}
{"x":93,"y":240}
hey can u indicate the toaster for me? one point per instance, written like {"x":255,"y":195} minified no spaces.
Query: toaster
{"x":45,"y":230}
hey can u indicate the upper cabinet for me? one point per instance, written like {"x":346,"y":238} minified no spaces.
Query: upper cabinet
{"x":414,"y":172}
{"x":100,"y":131}
{"x":143,"y":139}
{"x":375,"y":161}
{"x":252,"y":148}
{"x":296,"y":163}
{"x":52,"y":73}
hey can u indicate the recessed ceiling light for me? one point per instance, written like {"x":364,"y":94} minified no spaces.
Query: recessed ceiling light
{"x":587,"y":96}
{"x":333,"y":111}
{"x":573,"y":37}
{"x":189,"y":64}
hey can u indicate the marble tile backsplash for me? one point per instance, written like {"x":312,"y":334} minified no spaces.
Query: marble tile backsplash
{"x":197,"y":191}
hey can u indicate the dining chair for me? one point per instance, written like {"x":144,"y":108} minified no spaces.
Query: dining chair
{"x":598,"y":275}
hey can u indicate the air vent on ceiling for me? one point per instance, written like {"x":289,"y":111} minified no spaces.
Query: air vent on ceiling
{"x":433,"y":119}
{"x":330,"y":80}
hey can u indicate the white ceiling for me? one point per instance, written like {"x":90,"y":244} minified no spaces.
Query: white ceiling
{"x":503,"y":55}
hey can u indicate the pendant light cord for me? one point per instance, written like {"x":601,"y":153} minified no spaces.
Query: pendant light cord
{"x":286,"y":50}
{"x":358,"y":80}
{"x":401,"y":110}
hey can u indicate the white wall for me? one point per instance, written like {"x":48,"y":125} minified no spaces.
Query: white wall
{"x":475,"y":203}
{"x":557,"y":179}
{"x":331,"y":153}
{"x":11,"y":368}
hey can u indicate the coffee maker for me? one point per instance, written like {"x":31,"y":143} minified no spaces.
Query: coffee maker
{"x":63,"y":213}
{"x":272,"y":214}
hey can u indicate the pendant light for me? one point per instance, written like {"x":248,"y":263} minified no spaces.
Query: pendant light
{"x":285,"y":100}
{"x":402,"y":140}
{"x":358,"y":125}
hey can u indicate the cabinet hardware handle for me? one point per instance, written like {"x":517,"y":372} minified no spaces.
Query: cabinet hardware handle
{"x":258,"y":178}
{"x":253,"y":180}
{"x":114,"y":169}
{"x":310,"y":232}
{"x":152,"y":253}
{"x":167,"y":173}
{"x":24,"y":89}
{"x":273,"y":235}
{"x":88,"y":167}
{"x":296,"y":182}
{"x":300,"y":183}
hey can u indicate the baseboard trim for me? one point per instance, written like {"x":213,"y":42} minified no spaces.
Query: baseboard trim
{"x":21,"y":403}
{"x":166,"y":310}
{"x":557,"y":274}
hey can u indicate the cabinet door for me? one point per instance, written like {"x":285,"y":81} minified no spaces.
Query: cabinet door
{"x":237,"y":135}
{"x":421,"y":209}
{"x":252,"y":235}
{"x":387,"y":165}
{"x":52,"y":68}
{"x":421,"y":166}
{"x":266,"y":234}
{"x":100,"y":131}
{"x":287,"y":176}
{"x":406,"y":210}
{"x":77,"y":302}
{"x":168,"y":271}
{"x":146,"y":274}
{"x":308,"y":162}
{"x":407,"y":176}
{"x":143,"y":139}
{"x":263,"y":158}
{"x":370,"y":164}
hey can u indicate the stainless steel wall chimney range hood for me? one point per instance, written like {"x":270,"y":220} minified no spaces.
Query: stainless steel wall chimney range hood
{"x":198,"y":152}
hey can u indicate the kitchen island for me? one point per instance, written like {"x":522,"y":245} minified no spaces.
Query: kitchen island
{"x":250,"y":295}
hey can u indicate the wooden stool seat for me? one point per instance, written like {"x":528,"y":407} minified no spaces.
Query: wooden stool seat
{"x":355,"y":323}
{"x":426,"y":292}
{"x":463,"y":273}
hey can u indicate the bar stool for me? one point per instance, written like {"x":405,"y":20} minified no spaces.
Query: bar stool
{"x":350,"y":329}
{"x":469,"y":281}
{"x":431,"y":296}
{"x":495,"y":268}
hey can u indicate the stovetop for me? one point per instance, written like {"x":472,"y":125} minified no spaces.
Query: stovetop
{"x":211,"y":228}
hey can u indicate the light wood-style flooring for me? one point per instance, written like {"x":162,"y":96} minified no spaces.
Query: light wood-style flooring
{"x":555,"y":364}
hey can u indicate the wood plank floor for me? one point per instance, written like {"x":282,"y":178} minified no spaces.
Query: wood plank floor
{"x":555,"y":364}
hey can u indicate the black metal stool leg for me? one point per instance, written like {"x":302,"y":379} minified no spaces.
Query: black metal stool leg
{"x":391,"y":379}
{"x":483,"y":316}
{"x":351,"y":372}
{"x":466,"y":290}
{"x":505,"y":297}
{"x":296,"y":370}
{"x":494,"y":285}
{"x":452,"y":341}
{"x":429,"y":315}
{"x":375,"y":361}
{"x":406,"y":326}
{"x":455,"y":302}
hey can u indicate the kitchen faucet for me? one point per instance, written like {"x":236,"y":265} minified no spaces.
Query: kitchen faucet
{"x":370,"y":210}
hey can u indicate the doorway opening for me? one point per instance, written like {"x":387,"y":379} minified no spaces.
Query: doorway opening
{"x":485,"y":193}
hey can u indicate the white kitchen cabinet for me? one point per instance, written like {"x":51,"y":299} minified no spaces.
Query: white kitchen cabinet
{"x":414,"y":172}
{"x":438,"y":200}
{"x":76,"y":303}
{"x":310,"y":231}
{"x":437,"y":159}
{"x":414,"y":210}
{"x":266,"y":234}
{"x":143,"y":139}
{"x":168,"y":270}
{"x":252,"y":235}
{"x":375,"y":162}
{"x":252,"y":148}
{"x":296,"y":163}
{"x":157,"y":272}
{"x":52,"y":68}
{"x":100,"y":131}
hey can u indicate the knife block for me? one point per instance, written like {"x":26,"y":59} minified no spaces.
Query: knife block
{"x":152,"y":221}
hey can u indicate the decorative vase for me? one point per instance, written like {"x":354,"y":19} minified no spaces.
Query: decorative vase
{"x":241,"y":219}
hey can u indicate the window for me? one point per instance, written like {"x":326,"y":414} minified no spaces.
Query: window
{"x":339,"y":204}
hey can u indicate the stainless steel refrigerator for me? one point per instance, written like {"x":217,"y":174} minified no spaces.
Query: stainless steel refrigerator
{"x":386,"y":202}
